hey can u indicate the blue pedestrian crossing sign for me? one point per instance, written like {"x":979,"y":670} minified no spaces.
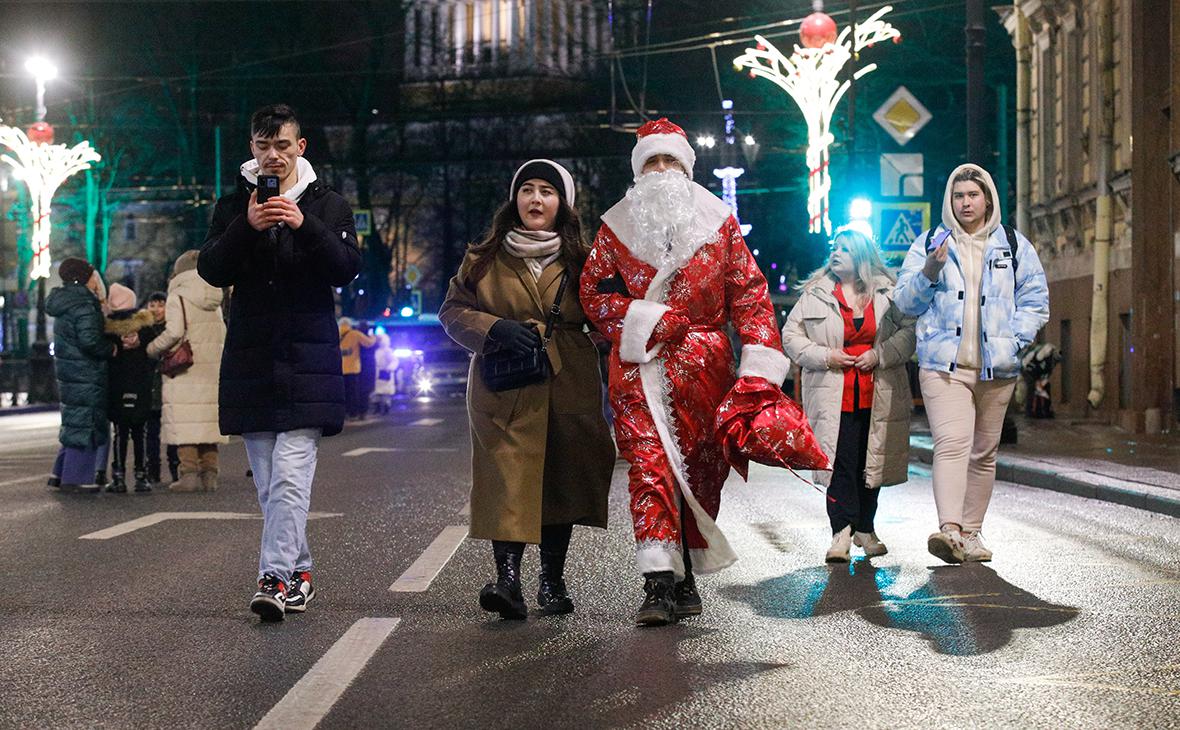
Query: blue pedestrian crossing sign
{"x":898,"y":224}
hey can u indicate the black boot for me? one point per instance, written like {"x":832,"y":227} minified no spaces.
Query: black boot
{"x":504,"y":596}
{"x":659,"y":606}
{"x":688,"y":601}
{"x":141,"y":482}
{"x":551,"y":591}
{"x":117,"y":485}
{"x":100,"y":477}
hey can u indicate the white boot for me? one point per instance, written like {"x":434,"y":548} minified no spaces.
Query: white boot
{"x":974,"y":550}
{"x":841,"y":544}
{"x":872,"y":546}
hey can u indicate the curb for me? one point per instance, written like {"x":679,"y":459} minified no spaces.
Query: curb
{"x":1040,"y":475}
{"x":20,"y":410}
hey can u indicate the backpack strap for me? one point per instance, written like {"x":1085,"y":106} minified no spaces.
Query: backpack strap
{"x":1013,"y":244}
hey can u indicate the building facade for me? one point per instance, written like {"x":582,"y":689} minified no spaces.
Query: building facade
{"x":1098,"y":194}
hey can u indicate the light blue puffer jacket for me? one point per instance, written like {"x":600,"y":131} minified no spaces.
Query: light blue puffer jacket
{"x":1013,"y":310}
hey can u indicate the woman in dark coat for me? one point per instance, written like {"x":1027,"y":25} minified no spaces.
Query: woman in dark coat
{"x":81,"y":353}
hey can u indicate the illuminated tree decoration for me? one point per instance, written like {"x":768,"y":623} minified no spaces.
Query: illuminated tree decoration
{"x":809,"y":75}
{"x":43,"y":167}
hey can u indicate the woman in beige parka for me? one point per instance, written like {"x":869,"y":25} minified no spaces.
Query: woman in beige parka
{"x":542,"y":455}
{"x":189,"y":417}
{"x":852,"y":345}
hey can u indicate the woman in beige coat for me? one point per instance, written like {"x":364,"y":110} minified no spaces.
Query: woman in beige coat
{"x":189,"y":418}
{"x":852,"y":345}
{"x":542,"y":455}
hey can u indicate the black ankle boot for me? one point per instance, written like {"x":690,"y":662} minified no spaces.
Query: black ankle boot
{"x":551,"y":592}
{"x":100,"y":477}
{"x":117,"y":485}
{"x":504,"y":596}
{"x":141,"y":481}
{"x":688,"y":601}
{"x":659,"y":606}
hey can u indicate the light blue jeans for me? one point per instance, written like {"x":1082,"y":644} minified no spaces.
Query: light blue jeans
{"x":284,"y":466}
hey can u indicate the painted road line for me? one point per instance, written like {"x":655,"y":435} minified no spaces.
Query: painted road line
{"x":419,"y":576}
{"x":385,"y":450}
{"x":312,"y":697}
{"x":156,"y":518}
{"x":426,"y":422}
{"x":24,"y":480}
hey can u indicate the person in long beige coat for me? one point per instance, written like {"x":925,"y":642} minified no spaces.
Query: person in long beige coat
{"x":852,"y":344}
{"x":189,"y":418}
{"x":542,"y":454}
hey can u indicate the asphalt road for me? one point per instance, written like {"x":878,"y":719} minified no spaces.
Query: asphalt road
{"x":1075,"y":624}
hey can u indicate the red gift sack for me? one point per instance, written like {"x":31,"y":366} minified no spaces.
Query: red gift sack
{"x":758,"y":422}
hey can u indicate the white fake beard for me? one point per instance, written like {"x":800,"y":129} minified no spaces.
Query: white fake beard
{"x":664,"y":220}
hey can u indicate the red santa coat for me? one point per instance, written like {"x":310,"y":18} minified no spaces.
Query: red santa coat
{"x":665,"y":398}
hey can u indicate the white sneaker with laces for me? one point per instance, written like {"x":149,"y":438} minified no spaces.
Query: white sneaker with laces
{"x":974,"y":550}
{"x":947,"y":545}
{"x":873,"y":547}
{"x":841,"y":545}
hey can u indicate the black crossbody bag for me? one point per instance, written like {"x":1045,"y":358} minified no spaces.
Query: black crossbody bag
{"x":506,"y":370}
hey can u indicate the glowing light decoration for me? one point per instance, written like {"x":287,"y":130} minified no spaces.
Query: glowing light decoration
{"x":729,"y":174}
{"x":43,"y":167}
{"x":810,"y":77}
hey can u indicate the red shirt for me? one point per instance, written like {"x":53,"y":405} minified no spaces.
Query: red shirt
{"x":858,"y":385}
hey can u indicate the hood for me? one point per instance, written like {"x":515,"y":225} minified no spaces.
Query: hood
{"x":196,"y":292}
{"x":345,"y":325}
{"x":304,"y":173}
{"x":67,"y":296}
{"x":127,"y":321}
{"x":948,"y":214}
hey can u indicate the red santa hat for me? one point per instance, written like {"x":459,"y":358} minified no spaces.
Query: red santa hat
{"x":662,"y":137}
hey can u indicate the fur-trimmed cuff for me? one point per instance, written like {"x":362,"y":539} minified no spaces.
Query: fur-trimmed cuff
{"x":763,"y":362}
{"x":654,"y":556}
{"x":638,"y":324}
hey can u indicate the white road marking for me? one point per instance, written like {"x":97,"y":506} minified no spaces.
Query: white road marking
{"x":155,"y":518}
{"x":23,"y":480}
{"x":385,"y":450}
{"x":426,"y":422}
{"x":313,"y":696}
{"x":429,"y":564}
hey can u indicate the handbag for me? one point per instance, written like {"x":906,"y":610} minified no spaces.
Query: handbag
{"x":507,"y":370}
{"x":181,"y":358}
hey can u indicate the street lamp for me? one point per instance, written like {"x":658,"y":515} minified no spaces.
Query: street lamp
{"x":42,"y":166}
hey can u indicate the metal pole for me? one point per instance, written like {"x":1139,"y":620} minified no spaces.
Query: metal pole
{"x":975,"y":32}
{"x":217,"y":162}
{"x":1002,"y":152}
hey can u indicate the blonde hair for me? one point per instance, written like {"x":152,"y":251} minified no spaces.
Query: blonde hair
{"x":866,"y":261}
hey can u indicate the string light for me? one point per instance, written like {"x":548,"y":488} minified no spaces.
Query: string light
{"x":810,"y":77}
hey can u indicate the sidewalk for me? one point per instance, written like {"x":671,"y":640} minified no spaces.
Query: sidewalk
{"x":1084,"y":458}
{"x":18,"y":410}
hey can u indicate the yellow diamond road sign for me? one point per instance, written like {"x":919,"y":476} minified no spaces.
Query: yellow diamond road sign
{"x":902,"y":115}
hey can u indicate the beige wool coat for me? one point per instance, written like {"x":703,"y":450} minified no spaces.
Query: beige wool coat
{"x":190,"y":398}
{"x":813,"y":329}
{"x":541,"y":454}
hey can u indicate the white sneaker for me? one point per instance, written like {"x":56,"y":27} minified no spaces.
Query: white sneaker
{"x":947,"y":545}
{"x":841,"y":545}
{"x":974,"y":550}
{"x":868,"y":540}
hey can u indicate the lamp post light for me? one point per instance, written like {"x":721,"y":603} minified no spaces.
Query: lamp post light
{"x":42,"y":167}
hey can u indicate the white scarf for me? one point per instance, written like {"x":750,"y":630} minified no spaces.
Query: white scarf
{"x":304,"y":176}
{"x":537,"y":248}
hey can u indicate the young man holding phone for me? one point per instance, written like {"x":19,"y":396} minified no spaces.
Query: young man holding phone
{"x":283,"y":241}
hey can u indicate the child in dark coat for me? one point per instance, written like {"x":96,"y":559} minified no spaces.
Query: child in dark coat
{"x":129,"y":385}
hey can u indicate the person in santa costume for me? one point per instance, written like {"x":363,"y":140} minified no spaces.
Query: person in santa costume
{"x":668,"y":272}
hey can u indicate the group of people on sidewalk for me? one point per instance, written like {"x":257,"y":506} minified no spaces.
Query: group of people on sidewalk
{"x":667,"y":278}
{"x":113,"y":395}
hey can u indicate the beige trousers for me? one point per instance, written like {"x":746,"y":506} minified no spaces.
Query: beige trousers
{"x":966,"y":416}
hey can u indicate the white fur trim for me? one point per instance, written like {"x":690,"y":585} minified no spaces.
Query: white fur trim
{"x":662,"y":144}
{"x":654,"y":556}
{"x":638,"y":324}
{"x":764,"y":362}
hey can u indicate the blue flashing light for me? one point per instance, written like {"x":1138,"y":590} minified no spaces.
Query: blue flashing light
{"x":407,"y":311}
{"x":380,"y":330}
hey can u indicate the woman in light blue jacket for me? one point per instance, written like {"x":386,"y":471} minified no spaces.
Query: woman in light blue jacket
{"x":979,"y":293}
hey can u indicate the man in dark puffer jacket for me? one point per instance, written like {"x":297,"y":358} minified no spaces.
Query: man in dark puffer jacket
{"x":281,"y":384}
{"x":80,"y":358}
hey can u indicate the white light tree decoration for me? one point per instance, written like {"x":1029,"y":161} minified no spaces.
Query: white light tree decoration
{"x":809,"y":75}
{"x":43,"y":167}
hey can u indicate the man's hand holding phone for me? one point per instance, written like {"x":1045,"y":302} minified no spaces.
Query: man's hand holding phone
{"x":935,"y":260}
{"x":268,"y":209}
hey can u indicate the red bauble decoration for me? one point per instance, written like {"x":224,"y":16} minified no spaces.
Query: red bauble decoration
{"x":817,"y":29}
{"x":41,"y":133}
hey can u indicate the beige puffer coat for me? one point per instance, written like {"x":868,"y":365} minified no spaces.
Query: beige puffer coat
{"x":190,"y":398}
{"x":813,"y":329}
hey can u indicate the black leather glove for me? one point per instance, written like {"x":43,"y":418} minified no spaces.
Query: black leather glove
{"x":511,"y":335}
{"x":613,"y":285}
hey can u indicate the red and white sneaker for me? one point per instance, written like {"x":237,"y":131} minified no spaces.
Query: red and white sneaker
{"x":300,"y":592}
{"x":271,"y":599}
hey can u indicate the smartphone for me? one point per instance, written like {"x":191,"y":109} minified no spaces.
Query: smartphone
{"x":932,"y":243}
{"x":268,"y":187}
